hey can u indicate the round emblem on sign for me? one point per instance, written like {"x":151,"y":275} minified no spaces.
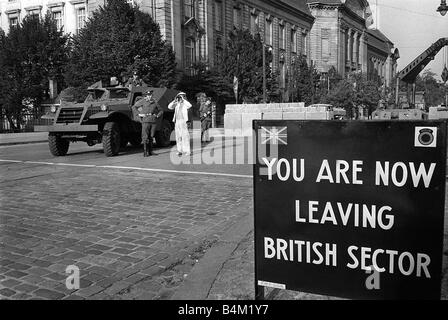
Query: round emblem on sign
{"x":426,"y":136}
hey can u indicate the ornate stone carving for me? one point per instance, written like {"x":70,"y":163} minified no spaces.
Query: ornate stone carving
{"x":193,"y":30}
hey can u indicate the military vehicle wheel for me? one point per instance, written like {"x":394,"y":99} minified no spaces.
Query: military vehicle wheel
{"x":123,"y":142}
{"x":136,"y":140}
{"x":58,"y":146}
{"x":111,"y":139}
{"x":163,"y":136}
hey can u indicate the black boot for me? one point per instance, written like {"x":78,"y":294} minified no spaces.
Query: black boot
{"x":145,"y":150}
{"x":150,"y":153}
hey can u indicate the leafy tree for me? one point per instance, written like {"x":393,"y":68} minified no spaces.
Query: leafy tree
{"x":117,"y":40}
{"x":304,"y":81}
{"x":355,"y":91}
{"x":209,"y":81}
{"x":30,"y":54}
{"x":434,"y":90}
{"x":243,"y":59}
{"x":367,"y":93}
{"x":204,"y":79}
{"x":342,"y":96}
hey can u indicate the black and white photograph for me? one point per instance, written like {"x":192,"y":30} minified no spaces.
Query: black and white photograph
{"x":223,"y":155}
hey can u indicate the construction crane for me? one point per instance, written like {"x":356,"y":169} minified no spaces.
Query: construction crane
{"x":412,"y":70}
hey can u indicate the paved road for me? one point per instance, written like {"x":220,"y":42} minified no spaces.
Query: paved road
{"x":134,"y":226}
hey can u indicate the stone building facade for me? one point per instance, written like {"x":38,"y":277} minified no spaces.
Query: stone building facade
{"x":344,"y":37}
{"x":69,"y":14}
{"x":197,"y":29}
{"x":328,"y":32}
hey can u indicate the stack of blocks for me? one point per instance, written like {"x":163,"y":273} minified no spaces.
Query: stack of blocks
{"x":238,"y":117}
{"x":437,"y":113}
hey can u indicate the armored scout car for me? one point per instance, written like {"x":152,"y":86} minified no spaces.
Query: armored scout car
{"x":106,"y":117}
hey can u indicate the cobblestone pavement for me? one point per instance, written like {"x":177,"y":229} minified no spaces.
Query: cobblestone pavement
{"x":127,"y":243}
{"x":236,"y":278}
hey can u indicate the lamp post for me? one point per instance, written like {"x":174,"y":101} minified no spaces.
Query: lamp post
{"x":264,"y":68}
{"x":264,"y":71}
{"x":443,"y":8}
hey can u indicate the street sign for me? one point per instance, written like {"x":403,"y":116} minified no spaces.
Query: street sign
{"x":353,"y":209}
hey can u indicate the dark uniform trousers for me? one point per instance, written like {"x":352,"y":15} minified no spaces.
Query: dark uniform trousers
{"x":148,"y":131}
{"x":147,"y":112}
{"x":205,"y":113}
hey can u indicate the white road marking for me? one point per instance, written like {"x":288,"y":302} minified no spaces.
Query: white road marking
{"x":20,"y":144}
{"x":39,"y":162}
{"x":75,"y":165}
{"x":133,"y":168}
{"x":178,"y":171}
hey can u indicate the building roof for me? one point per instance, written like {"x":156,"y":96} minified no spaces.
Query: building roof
{"x":377,"y":33}
{"x":331,"y":1}
{"x":325,"y":1}
{"x":379,"y":41}
{"x":357,"y":7}
{"x":300,"y":5}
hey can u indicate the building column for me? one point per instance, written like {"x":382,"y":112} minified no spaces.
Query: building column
{"x":347,"y":48}
{"x":358,"y":52}
{"x":388,"y":75}
{"x":375,"y":68}
{"x":363,"y":56}
{"x":350,"y":48}
{"x":342,"y":47}
{"x":355,"y":50}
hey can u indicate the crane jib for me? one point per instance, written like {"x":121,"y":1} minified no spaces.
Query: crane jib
{"x":410,"y":73}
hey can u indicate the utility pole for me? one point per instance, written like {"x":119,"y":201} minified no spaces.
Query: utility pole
{"x":312,"y":82}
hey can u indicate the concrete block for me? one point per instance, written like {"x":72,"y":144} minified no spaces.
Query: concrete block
{"x":256,"y":108}
{"x":294,"y":109}
{"x":294,"y":116}
{"x":437,"y":113}
{"x":246,"y":122}
{"x":274,"y":107}
{"x":232,"y":123}
{"x":381,"y":115}
{"x":273,"y":116}
{"x":410,"y":115}
{"x":233,"y":108}
{"x":296,"y":104}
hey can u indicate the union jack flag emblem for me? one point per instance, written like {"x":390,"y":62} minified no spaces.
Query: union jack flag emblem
{"x":274,"y":135}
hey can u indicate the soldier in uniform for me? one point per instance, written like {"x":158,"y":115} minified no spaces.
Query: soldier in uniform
{"x":148,"y":111}
{"x":135,"y":81}
{"x":205,"y":113}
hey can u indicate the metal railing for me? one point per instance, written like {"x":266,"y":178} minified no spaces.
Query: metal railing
{"x":29,"y":120}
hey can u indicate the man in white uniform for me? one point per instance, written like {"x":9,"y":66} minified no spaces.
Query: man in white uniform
{"x":180,"y":105}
